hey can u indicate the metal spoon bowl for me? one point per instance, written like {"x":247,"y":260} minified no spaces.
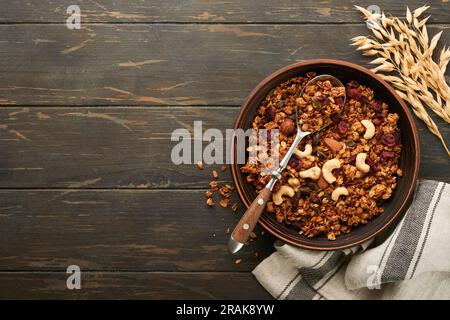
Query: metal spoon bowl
{"x":247,"y":223}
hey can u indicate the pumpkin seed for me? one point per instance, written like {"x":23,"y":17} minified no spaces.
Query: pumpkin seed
{"x":316,"y":104}
{"x":304,"y":191}
{"x":321,"y":155}
{"x":312,"y":185}
{"x":364,"y":105}
{"x":270,"y":94}
{"x":315,"y":139}
{"x":280,"y":104}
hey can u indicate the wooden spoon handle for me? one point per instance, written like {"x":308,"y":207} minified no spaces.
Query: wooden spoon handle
{"x":248,"y":221}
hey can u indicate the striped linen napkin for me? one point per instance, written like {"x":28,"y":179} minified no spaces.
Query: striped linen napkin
{"x":412,"y":263}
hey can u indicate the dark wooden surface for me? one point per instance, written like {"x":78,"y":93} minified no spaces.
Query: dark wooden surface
{"x":159,"y":64}
{"x":85,"y":123}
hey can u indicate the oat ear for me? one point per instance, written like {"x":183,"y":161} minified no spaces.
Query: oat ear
{"x":405,"y":59}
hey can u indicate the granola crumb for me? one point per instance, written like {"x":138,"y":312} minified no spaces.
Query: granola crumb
{"x":208,"y":194}
{"x":234,"y":207}
{"x":215,"y":174}
{"x":213,"y":185}
{"x":199,"y":165}
{"x":224,"y":203}
{"x":253,"y":235}
{"x":210,"y":202}
{"x":237,"y":261}
{"x":225,"y":191}
{"x":256,"y":254}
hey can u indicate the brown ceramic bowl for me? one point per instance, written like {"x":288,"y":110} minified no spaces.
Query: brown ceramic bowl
{"x":395,"y":207}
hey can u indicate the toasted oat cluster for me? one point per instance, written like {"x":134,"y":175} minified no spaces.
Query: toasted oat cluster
{"x":320,"y":104}
{"x":338,"y":178}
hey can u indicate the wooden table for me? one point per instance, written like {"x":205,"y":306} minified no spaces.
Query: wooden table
{"x":86,"y":119}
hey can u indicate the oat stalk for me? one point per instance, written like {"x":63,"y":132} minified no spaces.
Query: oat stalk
{"x":404,"y":57}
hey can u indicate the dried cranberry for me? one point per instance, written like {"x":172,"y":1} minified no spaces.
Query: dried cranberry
{"x":353,"y":84}
{"x":354,"y":94}
{"x":323,"y":100}
{"x":256,"y":182}
{"x":388,"y":140}
{"x":336,"y":172}
{"x":352,"y":159}
{"x":342,"y":127}
{"x":314,"y":199}
{"x":373,"y":166}
{"x":335,"y":117}
{"x":370,"y":162}
{"x":263,"y":120}
{"x":297,"y":224}
{"x":270,"y":113}
{"x":276,"y":187}
{"x":352,"y":203}
{"x":386,"y":154}
{"x":377,"y":119}
{"x":295,"y":162}
{"x":339,"y":101}
{"x":294,"y":202}
{"x":396,"y":135}
{"x":376,"y":106}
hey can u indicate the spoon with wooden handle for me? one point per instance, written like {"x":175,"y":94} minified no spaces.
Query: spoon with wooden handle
{"x":248,"y":221}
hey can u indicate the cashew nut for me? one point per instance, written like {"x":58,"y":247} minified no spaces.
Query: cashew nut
{"x":361,"y":162}
{"x":284,"y":191}
{"x":370,"y":129}
{"x":327,"y":170}
{"x":304,"y":153}
{"x":294,"y":183}
{"x":312,"y":173}
{"x":340,"y":191}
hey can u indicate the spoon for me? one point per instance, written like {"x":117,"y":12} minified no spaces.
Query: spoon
{"x":248,"y":221}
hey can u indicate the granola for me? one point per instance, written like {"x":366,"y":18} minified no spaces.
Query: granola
{"x":344,"y":173}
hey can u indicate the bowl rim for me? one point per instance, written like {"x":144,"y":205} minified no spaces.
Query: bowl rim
{"x":415,"y":140}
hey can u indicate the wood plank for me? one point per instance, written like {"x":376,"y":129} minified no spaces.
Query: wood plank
{"x":163,"y":64}
{"x":132,"y":285}
{"x":119,"y":231}
{"x":102,"y":147}
{"x":292,"y":11}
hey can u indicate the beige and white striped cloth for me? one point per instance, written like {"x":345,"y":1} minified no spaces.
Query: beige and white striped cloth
{"x":412,"y":263}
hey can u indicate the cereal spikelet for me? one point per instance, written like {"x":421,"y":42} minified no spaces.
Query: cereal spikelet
{"x":403,"y":47}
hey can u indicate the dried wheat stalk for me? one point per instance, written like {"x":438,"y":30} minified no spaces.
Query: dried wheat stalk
{"x":403,"y":47}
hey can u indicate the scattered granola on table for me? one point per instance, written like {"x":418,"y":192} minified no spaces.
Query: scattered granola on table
{"x":225,"y":192}
{"x":337,"y":180}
